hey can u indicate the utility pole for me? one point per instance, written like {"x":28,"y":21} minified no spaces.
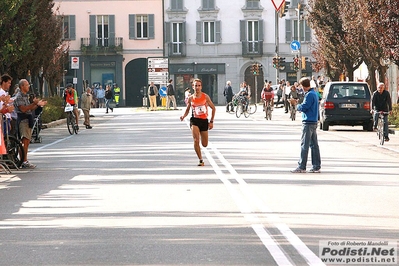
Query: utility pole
{"x":299,"y":73}
{"x":277,"y":45}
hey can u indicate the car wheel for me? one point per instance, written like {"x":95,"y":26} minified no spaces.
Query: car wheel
{"x":324,"y":126}
{"x":368,"y":126}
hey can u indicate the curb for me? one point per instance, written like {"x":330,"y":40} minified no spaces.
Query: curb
{"x":55,"y":123}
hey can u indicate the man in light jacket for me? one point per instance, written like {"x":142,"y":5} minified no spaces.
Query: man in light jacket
{"x":86,"y":104}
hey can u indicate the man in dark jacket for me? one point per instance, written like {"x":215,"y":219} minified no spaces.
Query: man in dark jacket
{"x":381,"y":102}
{"x":228,"y":94}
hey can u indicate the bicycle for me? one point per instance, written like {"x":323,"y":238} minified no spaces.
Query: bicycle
{"x":268,"y":109}
{"x":71,"y":120}
{"x":293,"y":103}
{"x":380,"y":126}
{"x":15,"y":155}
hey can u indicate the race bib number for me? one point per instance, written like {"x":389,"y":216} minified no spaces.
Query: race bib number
{"x":200,"y":110}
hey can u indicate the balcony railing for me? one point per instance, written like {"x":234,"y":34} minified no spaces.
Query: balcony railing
{"x":252,"y":48}
{"x":101,"y":46}
{"x":177,"y":49}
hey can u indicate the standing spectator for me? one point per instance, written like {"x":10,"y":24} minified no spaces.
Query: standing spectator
{"x":170,"y":95}
{"x":228,"y":94}
{"x":279,"y":93}
{"x":94,"y":100}
{"x":153,"y":93}
{"x":86,"y":104}
{"x":108,"y":98}
{"x":199,"y":102}
{"x":25,"y":117}
{"x":187,"y":94}
{"x":309,"y":109}
{"x":287,"y":90}
{"x":117,"y":92}
{"x":381,"y":102}
{"x":301,"y":92}
{"x":100,"y":97}
{"x":6,"y":106}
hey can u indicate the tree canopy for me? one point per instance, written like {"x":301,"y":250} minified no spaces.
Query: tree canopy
{"x":30,"y":36}
{"x":349,"y":32}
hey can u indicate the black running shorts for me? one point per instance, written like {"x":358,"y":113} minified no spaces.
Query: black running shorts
{"x":202,"y":124}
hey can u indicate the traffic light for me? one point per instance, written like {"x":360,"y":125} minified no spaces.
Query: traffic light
{"x":300,"y":10}
{"x":256,"y":69}
{"x":275,"y":62}
{"x":304,"y":62}
{"x":281,"y":63}
{"x":284,"y":8}
{"x":296,"y":63}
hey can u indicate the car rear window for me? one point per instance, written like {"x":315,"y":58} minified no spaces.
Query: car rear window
{"x":357,"y":91}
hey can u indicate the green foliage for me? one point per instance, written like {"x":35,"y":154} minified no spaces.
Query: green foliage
{"x":394,"y":118}
{"x":53,"y":110}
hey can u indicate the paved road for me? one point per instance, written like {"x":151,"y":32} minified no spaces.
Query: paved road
{"x":128,"y":192}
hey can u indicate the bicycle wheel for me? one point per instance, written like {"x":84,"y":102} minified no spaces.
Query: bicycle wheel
{"x":269,"y":112}
{"x":239,"y":110}
{"x":15,"y":151}
{"x":380,"y":131}
{"x":70,"y":123}
{"x":252,"y":108}
{"x":246,"y":111}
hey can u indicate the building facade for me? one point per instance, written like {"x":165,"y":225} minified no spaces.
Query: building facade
{"x":213,"y":40}
{"x":217,"y":41}
{"x":112,"y":40}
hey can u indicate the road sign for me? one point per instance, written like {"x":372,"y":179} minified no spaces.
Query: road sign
{"x":295,"y":45}
{"x":277,"y":4}
{"x":162,"y":91}
{"x":74,"y":62}
{"x":158,"y":70}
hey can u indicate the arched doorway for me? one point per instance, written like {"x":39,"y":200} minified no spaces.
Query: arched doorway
{"x":135,"y":81}
{"x":250,"y":80}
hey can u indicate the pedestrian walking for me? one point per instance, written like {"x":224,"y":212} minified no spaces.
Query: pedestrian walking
{"x":170,"y":95}
{"x":309,"y":109}
{"x":108,"y":98}
{"x":199,"y":124}
{"x":228,"y":94}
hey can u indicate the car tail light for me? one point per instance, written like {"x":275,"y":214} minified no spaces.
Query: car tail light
{"x":366,"y":106}
{"x":328,"y":105}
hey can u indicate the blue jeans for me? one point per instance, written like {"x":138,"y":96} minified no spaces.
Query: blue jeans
{"x":309,"y":139}
{"x":376,"y":114}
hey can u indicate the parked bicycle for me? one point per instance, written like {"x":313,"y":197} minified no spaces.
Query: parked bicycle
{"x":380,"y":126}
{"x":14,"y":148}
{"x":71,"y":120}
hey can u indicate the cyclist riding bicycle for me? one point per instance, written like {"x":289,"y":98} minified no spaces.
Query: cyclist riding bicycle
{"x":244,"y":92}
{"x":381,"y":102}
{"x":71,"y":97}
{"x":268,"y":95}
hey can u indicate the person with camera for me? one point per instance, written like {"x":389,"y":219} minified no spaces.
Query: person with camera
{"x":24,"y":108}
